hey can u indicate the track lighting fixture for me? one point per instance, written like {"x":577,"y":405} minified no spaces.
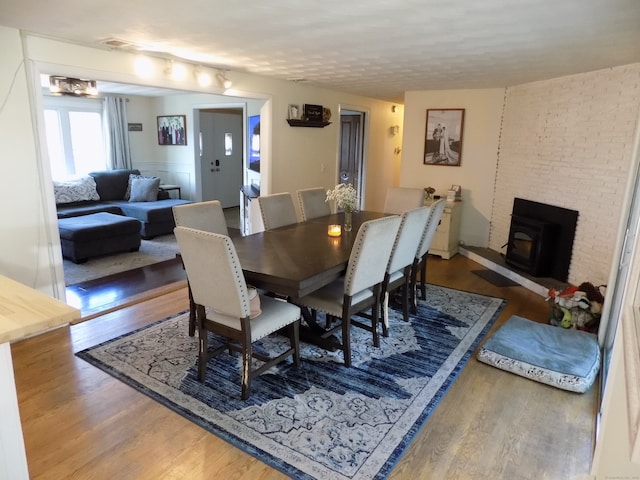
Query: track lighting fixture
{"x":223,"y":80}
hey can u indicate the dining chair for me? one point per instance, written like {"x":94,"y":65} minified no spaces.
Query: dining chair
{"x":420,"y":261}
{"x":398,"y":274}
{"x":312,"y":203}
{"x":207,"y":216}
{"x":359,"y":289}
{"x":277,"y":210}
{"x":223,"y":305}
{"x":401,"y":199}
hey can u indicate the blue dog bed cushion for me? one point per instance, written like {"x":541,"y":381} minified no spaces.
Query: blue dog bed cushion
{"x":566,"y":359}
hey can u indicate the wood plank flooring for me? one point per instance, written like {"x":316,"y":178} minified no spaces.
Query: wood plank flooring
{"x":81,"y":423}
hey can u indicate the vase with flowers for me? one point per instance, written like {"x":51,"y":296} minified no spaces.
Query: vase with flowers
{"x":346,"y":198}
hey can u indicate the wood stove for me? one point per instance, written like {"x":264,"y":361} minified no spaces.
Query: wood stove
{"x":541,"y":239}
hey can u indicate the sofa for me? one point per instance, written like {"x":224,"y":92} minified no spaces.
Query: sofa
{"x":120,"y":192}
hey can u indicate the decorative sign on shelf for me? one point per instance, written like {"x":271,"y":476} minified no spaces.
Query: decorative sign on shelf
{"x":312,"y":113}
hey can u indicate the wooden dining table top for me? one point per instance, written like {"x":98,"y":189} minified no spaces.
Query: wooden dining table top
{"x":297,"y":259}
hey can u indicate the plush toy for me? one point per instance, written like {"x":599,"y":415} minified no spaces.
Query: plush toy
{"x":576,"y":307}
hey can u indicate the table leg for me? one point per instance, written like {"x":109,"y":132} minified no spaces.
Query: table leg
{"x":311,"y":332}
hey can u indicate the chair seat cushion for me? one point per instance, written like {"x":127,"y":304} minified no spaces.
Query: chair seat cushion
{"x":275,"y":315}
{"x":566,"y":359}
{"x":328,"y":299}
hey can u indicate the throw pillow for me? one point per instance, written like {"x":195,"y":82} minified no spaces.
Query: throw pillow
{"x":77,"y":190}
{"x":144,"y":189}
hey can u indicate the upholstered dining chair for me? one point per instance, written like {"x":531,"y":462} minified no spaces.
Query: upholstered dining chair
{"x":277,"y":210}
{"x":401,"y":199}
{"x":312,"y":203}
{"x":224,"y":306}
{"x":206,"y":216}
{"x":420,"y":262}
{"x":398,"y":275}
{"x":359,"y":289}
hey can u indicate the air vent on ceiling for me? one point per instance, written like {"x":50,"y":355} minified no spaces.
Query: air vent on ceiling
{"x":115,"y":43}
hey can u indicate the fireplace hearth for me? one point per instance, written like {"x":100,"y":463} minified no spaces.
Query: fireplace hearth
{"x":541,"y":239}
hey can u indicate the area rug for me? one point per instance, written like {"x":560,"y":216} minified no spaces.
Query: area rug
{"x":320,"y":420}
{"x":152,"y":251}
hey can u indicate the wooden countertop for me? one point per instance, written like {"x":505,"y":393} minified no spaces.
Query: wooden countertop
{"x":25,"y":311}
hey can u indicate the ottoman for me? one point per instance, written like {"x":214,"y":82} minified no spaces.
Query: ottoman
{"x":98,"y":234}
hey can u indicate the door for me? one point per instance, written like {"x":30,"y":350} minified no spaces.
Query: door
{"x":221,"y":153}
{"x":351,"y":154}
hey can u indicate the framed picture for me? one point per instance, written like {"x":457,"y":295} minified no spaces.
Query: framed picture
{"x":313,"y":113}
{"x":172,"y":130}
{"x":134,"y":127}
{"x":443,"y":137}
{"x":294,"y":112}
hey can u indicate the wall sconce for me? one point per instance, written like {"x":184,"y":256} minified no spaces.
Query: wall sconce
{"x":394,"y":130}
{"x":72,"y":86}
{"x":223,"y":80}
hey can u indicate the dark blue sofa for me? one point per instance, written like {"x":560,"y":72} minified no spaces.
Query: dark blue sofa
{"x":156,"y":217}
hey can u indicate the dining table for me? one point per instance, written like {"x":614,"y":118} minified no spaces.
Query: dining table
{"x":295,"y":260}
{"x":298,"y":259}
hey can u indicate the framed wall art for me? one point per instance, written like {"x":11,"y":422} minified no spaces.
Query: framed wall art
{"x":172,"y":130}
{"x":443,"y":137}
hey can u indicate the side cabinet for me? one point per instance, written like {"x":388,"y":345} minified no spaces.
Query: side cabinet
{"x":445,"y":242}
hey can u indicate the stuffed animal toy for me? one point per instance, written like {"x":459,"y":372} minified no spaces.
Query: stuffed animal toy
{"x":576,"y":307}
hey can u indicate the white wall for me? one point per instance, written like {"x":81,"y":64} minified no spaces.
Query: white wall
{"x":476,"y":173}
{"x":568,"y":142}
{"x":29,"y":245}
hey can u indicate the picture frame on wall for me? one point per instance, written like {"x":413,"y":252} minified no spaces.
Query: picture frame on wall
{"x":443,"y":137}
{"x":172,"y":130}
{"x":294,"y":112}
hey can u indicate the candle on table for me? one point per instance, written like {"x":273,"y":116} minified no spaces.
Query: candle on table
{"x":334,"y":230}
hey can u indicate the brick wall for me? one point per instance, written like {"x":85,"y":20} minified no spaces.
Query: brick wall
{"x":568,"y":142}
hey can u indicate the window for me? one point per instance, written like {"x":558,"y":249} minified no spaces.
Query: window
{"x":75,"y":136}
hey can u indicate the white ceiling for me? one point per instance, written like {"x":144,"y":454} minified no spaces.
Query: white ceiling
{"x":374,"y":48}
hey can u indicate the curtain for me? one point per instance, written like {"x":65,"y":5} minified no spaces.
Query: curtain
{"x":118,"y":151}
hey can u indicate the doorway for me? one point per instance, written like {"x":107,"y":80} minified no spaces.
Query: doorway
{"x":351,"y":167}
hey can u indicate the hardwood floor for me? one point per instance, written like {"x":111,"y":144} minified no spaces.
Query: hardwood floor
{"x":79,"y":422}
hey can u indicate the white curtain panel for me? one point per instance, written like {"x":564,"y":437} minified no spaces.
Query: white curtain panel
{"x":116,"y":124}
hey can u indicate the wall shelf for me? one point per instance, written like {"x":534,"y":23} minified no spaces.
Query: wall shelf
{"x":307,"y":123}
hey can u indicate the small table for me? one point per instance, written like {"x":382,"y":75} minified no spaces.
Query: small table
{"x":23,"y":311}
{"x":168,"y":188}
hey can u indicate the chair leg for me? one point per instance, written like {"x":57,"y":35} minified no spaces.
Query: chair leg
{"x":294,"y":338}
{"x":246,"y":369}
{"x":413,"y":287}
{"x":346,"y":332}
{"x":423,"y":277}
{"x":385,"y":314}
{"x":374,"y":318}
{"x":203,"y":346}
{"x":192,"y":312}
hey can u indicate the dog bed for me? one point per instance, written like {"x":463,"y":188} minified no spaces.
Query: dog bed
{"x":566,"y":359}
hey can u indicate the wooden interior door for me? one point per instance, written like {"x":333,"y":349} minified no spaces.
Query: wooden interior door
{"x":350,"y":170}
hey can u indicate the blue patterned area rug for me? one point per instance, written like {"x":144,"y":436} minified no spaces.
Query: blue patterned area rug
{"x":320,"y":420}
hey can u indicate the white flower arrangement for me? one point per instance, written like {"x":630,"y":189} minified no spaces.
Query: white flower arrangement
{"x":344,"y":195}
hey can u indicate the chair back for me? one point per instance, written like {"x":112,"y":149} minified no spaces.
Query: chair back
{"x":370,"y":254}
{"x":430,"y":230}
{"x":277,"y":210}
{"x":214,"y":272}
{"x":412,"y":227}
{"x":207,"y":216}
{"x":401,"y":199}
{"x":312,"y":203}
